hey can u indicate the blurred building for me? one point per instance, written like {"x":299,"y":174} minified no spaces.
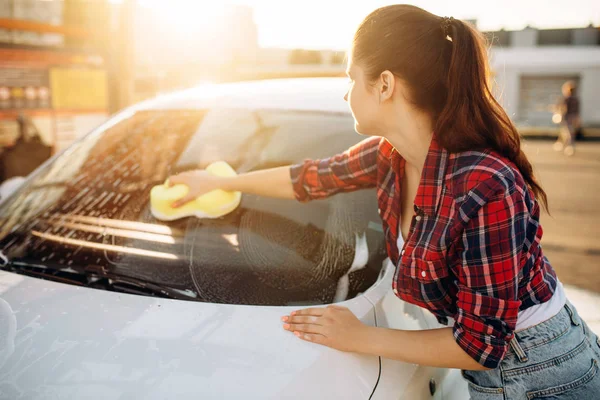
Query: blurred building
{"x":53,"y":68}
{"x":531,"y":65}
{"x":289,"y":63}
{"x":50,"y":12}
{"x":68,"y":64}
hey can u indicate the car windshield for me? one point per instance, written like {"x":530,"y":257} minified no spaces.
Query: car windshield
{"x":88,"y":210}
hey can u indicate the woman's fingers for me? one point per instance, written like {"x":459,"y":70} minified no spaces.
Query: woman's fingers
{"x":181,"y":179}
{"x":178,"y":179}
{"x":295,"y":319}
{"x":309,"y":311}
{"x":312,"y":337}
{"x":306,"y":324}
{"x":304,"y":328}
{"x":333,"y":326}
{"x":306,"y":321}
{"x":182,"y":201}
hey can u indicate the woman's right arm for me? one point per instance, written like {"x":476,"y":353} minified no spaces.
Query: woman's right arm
{"x":272,"y":182}
{"x":354,"y":169}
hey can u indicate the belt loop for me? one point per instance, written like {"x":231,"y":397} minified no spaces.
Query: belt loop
{"x":518,"y":350}
{"x":571,"y":314}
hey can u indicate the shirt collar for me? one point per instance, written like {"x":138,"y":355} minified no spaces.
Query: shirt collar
{"x":430,"y":188}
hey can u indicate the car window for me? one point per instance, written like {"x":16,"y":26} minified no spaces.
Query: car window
{"x":88,"y":211}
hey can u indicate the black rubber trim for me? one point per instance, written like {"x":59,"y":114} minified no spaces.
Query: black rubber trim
{"x":379,"y":375}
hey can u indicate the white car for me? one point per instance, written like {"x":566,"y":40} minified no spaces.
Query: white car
{"x":99,"y":300}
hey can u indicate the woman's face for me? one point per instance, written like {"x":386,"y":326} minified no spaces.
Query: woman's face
{"x":363,"y":101}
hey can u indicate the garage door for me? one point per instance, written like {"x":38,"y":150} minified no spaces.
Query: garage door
{"x":538,"y":95}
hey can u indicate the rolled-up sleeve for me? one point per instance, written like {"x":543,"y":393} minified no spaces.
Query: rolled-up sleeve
{"x":355,"y":168}
{"x":488,"y":279}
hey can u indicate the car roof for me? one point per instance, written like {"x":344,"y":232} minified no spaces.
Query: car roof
{"x":306,"y":94}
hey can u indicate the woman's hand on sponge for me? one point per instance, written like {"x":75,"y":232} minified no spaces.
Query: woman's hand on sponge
{"x":198,"y":181}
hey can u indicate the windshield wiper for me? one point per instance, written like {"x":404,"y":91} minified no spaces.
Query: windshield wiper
{"x":97,"y":278}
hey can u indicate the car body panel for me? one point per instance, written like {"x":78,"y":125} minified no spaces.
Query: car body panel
{"x":303,"y":94}
{"x":66,"y":342}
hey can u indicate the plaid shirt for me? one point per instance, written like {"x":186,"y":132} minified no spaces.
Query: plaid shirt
{"x":473,"y":251}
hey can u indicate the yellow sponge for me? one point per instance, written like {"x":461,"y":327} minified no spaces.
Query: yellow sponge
{"x":213,"y":204}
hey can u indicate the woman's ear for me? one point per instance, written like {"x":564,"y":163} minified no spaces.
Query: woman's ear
{"x":386,"y":85}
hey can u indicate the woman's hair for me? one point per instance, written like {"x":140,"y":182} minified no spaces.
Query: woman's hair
{"x":444,"y":63}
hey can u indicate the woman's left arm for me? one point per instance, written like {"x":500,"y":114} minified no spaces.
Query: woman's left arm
{"x":338,"y":327}
{"x":496,"y":220}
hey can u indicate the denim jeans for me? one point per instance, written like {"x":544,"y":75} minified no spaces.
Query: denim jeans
{"x":556,"y":359}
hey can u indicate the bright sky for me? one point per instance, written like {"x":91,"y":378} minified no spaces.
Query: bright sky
{"x":323,"y":24}
{"x":329,"y":24}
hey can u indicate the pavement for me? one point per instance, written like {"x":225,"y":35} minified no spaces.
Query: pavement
{"x":571,"y":239}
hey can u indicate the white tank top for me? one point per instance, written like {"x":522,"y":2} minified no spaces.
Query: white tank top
{"x":542,"y":312}
{"x":533,"y":315}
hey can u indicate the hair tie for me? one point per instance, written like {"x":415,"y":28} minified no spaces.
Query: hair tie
{"x":446,"y":24}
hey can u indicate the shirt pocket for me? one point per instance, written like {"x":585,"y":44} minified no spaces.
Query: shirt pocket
{"x":425,"y":270}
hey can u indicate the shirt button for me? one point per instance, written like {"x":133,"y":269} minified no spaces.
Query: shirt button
{"x":423,"y":274}
{"x":418,"y":217}
{"x":379,"y":211}
{"x":402,"y":252}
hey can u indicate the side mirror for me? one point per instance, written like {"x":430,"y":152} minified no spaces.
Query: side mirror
{"x":10,"y":186}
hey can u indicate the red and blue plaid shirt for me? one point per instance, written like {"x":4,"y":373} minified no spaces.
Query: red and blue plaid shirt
{"x":473,"y":251}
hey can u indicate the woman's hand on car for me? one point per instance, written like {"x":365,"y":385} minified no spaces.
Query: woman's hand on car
{"x":333,"y":326}
{"x":198,"y":181}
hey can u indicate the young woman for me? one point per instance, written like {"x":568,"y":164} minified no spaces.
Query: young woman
{"x":460,"y":208}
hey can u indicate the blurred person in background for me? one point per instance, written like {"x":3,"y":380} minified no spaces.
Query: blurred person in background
{"x":26,"y":153}
{"x":460,"y":208}
{"x":7,"y":141}
{"x":567,"y":112}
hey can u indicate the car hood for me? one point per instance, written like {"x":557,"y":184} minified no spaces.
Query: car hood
{"x":59,"y":341}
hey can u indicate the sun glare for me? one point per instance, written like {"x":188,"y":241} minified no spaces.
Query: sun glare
{"x":184,"y":15}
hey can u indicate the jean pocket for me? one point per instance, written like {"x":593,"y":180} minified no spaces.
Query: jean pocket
{"x":477,"y":392}
{"x":582,"y":388}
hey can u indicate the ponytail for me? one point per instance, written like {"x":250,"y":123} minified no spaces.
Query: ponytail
{"x":471,"y":117}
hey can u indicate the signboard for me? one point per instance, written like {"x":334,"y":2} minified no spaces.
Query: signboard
{"x":78,"y":89}
{"x":64,"y":93}
{"x":24,"y":88}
